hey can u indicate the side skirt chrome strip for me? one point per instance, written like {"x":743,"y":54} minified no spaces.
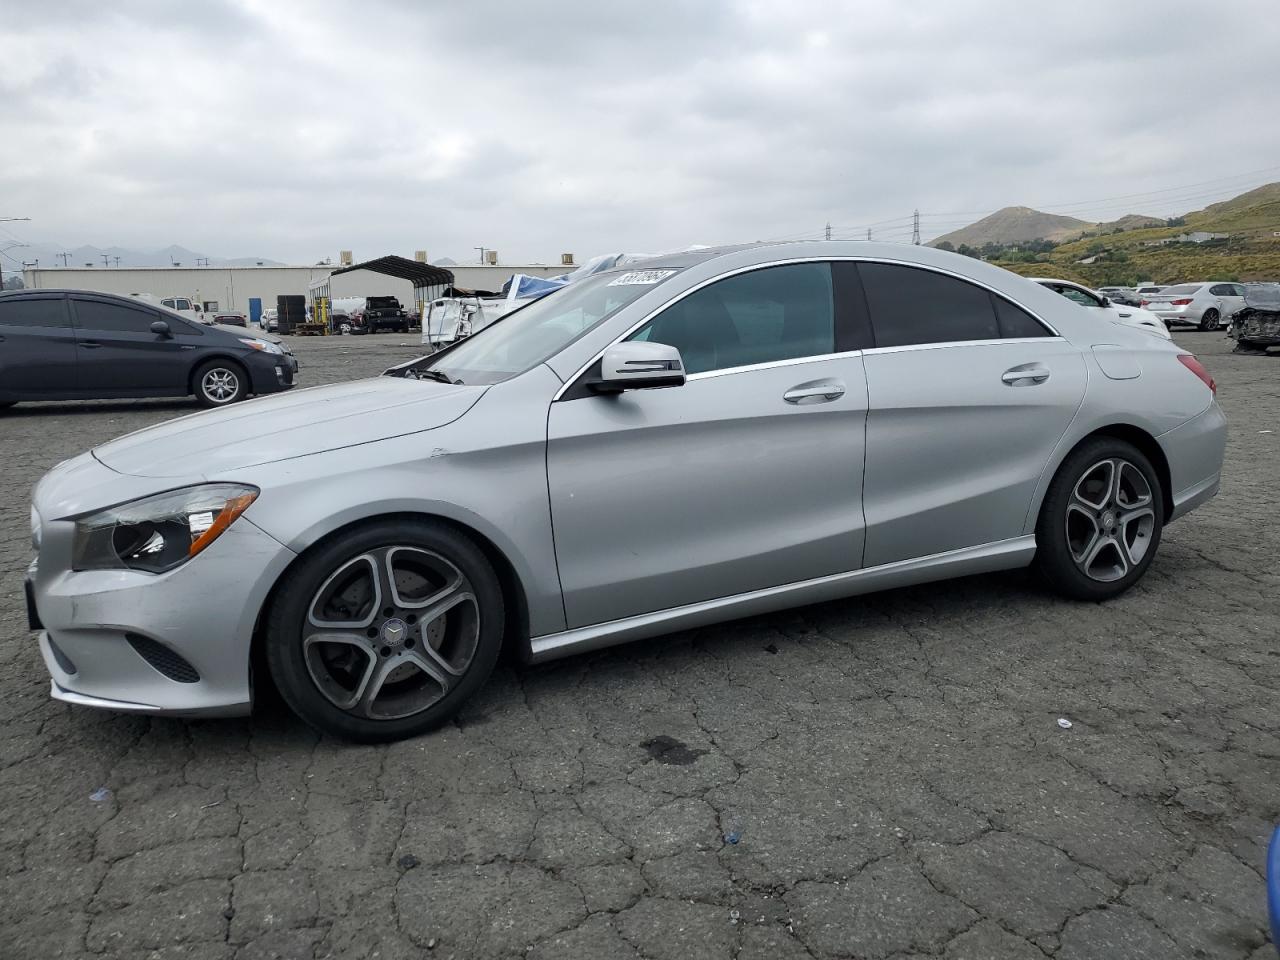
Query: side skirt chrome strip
{"x":1001,"y":555}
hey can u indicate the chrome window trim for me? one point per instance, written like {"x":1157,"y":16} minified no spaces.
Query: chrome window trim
{"x":770,"y":364}
{"x":1054,"y":334}
{"x":961,"y":343}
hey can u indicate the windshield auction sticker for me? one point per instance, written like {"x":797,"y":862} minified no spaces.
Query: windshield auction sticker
{"x":641,"y":277}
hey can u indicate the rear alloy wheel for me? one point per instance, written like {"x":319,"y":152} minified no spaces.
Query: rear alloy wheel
{"x":1209,"y":320}
{"x":386,"y":632}
{"x":1101,"y":521}
{"x":220,"y":382}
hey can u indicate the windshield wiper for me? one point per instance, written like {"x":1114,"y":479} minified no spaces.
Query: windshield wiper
{"x":438,"y":375}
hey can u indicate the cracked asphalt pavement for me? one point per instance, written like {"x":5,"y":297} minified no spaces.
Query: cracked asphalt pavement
{"x":883,"y":777}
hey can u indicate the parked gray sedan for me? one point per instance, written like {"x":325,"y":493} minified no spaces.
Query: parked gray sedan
{"x":699,"y":437}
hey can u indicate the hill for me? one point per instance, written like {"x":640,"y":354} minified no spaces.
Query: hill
{"x":1014,"y":225}
{"x":1250,"y":252}
{"x":1130,"y":221}
{"x":50,"y":255}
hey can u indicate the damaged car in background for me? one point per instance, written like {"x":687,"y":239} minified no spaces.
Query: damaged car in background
{"x":1257,"y":326}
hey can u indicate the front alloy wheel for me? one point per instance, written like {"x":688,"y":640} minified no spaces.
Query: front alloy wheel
{"x":1209,"y":320}
{"x":390,"y":632}
{"x":385,"y":632}
{"x":219,"y":383}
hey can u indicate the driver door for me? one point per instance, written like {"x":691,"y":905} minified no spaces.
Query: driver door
{"x":748,"y":476}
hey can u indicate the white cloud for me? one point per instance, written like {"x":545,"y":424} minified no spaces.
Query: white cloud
{"x":291,"y":130}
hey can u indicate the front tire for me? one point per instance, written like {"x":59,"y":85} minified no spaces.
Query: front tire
{"x":219,"y":383}
{"x":1100,"y":522}
{"x":384,"y":632}
{"x":1209,"y":320}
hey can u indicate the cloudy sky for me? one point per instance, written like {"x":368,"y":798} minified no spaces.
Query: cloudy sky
{"x":292,"y":130}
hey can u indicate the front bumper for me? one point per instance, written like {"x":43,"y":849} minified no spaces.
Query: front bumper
{"x":110,"y":635}
{"x":271,"y":373}
{"x":1261,"y":328}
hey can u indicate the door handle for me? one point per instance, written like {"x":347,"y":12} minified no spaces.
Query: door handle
{"x":1027,"y":373}
{"x":90,"y":344}
{"x":816,"y":391}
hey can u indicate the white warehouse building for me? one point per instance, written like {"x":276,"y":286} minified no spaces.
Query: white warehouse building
{"x":244,"y":288}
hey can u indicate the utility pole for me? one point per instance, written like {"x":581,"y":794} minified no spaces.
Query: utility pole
{"x":481,"y":249}
{"x":828,"y":234}
{"x":915,"y":228}
{"x":65,"y":257}
{"x":117,"y":260}
{"x":868,"y":233}
{"x":106,"y":260}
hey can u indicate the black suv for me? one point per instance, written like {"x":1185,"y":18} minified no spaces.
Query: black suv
{"x":384,"y":313}
{"x":77,"y":345}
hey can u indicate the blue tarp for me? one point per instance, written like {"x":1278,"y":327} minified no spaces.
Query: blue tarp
{"x":528,"y":287}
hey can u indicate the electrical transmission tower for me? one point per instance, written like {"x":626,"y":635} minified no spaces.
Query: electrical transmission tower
{"x":915,"y":228}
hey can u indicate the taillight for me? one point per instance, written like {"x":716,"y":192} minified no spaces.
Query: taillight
{"x":1196,"y":367}
{"x":1144,"y":303}
{"x":1179,"y":303}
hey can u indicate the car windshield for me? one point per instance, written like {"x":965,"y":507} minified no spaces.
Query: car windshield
{"x":537,"y":332}
{"x":1183,"y":288}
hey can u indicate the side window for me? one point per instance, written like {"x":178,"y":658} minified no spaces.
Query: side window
{"x":182,"y":305}
{"x":100,"y":315}
{"x":44,"y":312}
{"x":777,"y":313}
{"x":1016,"y":322}
{"x":1239,"y":288}
{"x":1220,"y":290}
{"x":910,"y":306}
{"x":168,"y":303}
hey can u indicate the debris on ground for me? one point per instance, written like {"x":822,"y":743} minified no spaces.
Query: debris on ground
{"x":1064,"y":723}
{"x":102,"y":793}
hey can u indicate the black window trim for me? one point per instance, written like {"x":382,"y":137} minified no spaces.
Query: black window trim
{"x":573,"y":387}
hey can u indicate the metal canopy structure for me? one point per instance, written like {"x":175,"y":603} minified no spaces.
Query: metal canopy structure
{"x":419,"y":274}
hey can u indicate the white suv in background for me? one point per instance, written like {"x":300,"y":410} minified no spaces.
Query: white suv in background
{"x":1130,"y":316}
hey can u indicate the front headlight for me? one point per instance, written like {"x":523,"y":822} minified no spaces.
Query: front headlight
{"x":158,"y":533}
{"x":266,"y":346}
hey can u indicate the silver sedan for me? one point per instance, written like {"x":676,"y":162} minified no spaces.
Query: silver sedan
{"x":1207,"y":306}
{"x":691,"y":439}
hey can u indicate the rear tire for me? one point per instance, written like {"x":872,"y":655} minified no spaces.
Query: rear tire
{"x":385,"y":665}
{"x":1100,"y":522}
{"x":1209,"y":320}
{"x":220,"y":383}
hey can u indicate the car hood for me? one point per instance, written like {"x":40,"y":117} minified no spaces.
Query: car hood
{"x":288,"y":425}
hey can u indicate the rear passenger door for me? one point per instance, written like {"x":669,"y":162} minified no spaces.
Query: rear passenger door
{"x":119,"y":356}
{"x":37,"y":348}
{"x":968,"y":395}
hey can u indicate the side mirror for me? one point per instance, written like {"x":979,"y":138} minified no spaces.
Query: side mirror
{"x":1106,"y":301}
{"x":161,"y":329}
{"x":638,"y":365}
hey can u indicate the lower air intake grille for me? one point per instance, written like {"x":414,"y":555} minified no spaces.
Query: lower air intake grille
{"x":63,"y":660}
{"x":166,"y":661}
